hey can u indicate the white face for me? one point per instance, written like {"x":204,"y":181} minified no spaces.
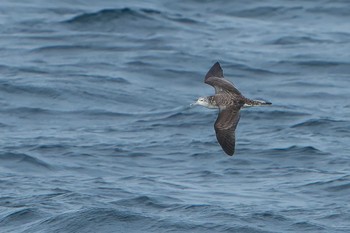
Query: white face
{"x":202,"y":101}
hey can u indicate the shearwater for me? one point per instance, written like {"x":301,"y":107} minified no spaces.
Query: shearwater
{"x":229,"y":101}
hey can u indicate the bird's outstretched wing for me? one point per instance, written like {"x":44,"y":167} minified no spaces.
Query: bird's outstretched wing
{"x":225,"y":126}
{"x":215,"y":78}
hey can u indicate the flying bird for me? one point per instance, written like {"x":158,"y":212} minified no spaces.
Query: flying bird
{"x":229,"y":100}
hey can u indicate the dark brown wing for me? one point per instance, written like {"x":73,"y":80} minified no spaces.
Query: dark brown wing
{"x":225,"y":126}
{"x":215,"y":78}
{"x":215,"y":71}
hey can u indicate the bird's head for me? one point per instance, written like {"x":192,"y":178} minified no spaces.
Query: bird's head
{"x":203,"y":101}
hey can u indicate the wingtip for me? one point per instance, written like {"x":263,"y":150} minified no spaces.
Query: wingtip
{"x":217,"y":65}
{"x":230,"y":153}
{"x":215,"y":71}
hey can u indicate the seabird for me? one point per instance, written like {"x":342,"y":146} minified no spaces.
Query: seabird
{"x":229,"y":101}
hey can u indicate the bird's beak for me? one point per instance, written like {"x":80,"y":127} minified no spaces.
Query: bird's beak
{"x":194,"y":104}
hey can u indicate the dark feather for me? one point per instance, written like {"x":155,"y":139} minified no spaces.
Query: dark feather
{"x":215,"y":71}
{"x":225,"y":126}
{"x":215,"y":78}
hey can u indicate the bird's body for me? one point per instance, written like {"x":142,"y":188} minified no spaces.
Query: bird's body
{"x":229,"y":101}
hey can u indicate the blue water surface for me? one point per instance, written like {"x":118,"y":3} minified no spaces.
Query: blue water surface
{"x":97,"y":133}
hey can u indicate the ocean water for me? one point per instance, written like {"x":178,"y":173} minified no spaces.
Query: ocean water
{"x":97,"y":134}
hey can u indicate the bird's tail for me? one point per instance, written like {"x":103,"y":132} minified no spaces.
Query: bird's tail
{"x":251,"y":103}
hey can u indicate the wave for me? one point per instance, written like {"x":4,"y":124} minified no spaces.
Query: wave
{"x":74,"y":49}
{"x":14,"y":70}
{"x":29,"y":89}
{"x":295,"y":12}
{"x":334,"y":11}
{"x":128,"y":18}
{"x":62,"y":48}
{"x":309,"y":62}
{"x":176,"y":117}
{"x":46,"y":114}
{"x":22,"y":216}
{"x":118,"y":220}
{"x":339,"y":184}
{"x":324,"y":127}
{"x":99,"y":78}
{"x":290,"y":40}
{"x":319,"y":123}
{"x":30,"y":110}
{"x":323,"y":63}
{"x":107,"y":15}
{"x":256,"y":71}
{"x":116,"y":20}
{"x":2,"y":125}
{"x":275,"y":114}
{"x":297,"y":151}
{"x":23,"y":162}
{"x":95,"y":220}
{"x":146,"y":202}
{"x":267,"y":12}
{"x":308,"y":226}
